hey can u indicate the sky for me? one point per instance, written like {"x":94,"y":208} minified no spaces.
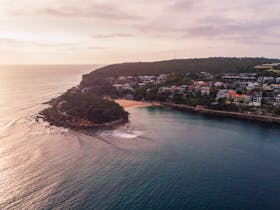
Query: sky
{"x":107,"y":31}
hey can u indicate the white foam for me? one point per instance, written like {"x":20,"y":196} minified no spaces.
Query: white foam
{"x":123,"y":134}
{"x":9,"y":124}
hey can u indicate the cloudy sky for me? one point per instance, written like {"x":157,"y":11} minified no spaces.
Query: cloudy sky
{"x":107,"y":31}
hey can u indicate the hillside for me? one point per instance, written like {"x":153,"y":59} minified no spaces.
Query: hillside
{"x":214,"y":65}
{"x":84,"y":110}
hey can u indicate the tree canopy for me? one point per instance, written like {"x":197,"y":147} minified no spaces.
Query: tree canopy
{"x":213,"y":65}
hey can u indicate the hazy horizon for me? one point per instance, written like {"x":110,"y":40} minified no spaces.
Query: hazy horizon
{"x":53,"y":32}
{"x":107,"y":64}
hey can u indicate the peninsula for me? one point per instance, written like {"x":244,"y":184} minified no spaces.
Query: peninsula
{"x":246,"y":88}
{"x":78,"y":109}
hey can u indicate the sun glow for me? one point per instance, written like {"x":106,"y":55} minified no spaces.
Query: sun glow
{"x":107,"y":32}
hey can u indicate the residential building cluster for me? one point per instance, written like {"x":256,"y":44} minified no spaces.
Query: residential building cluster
{"x":249,"y":89}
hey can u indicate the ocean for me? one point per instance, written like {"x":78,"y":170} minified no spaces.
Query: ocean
{"x":161,"y":159}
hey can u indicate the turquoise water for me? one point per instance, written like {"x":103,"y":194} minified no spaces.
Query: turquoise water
{"x":161,"y":160}
{"x":205,"y":163}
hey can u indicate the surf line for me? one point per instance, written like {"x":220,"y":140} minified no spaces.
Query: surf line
{"x":9,"y":124}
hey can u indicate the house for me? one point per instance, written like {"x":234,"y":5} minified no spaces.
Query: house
{"x":128,"y":87}
{"x":180,"y":90}
{"x":164,"y":90}
{"x":141,"y":84}
{"x":162,"y":77}
{"x":247,"y":98}
{"x":267,"y":88}
{"x":210,"y":84}
{"x":271,"y":66}
{"x":123,"y":87}
{"x":130,"y":78}
{"x":218,"y":84}
{"x":232,"y":85}
{"x":191,"y":88}
{"x":122,"y":78}
{"x":205,"y":90}
{"x":147,"y":79}
{"x":239,"y":79}
{"x":252,"y":86}
{"x":222,"y":94}
{"x":266,"y":80}
{"x":263,"y":67}
{"x":232,"y":95}
{"x":268,"y":96}
{"x":256,"y":100}
{"x":118,"y":86}
{"x":184,"y":88}
{"x":277,"y":100}
{"x":275,"y":88}
{"x":201,"y":83}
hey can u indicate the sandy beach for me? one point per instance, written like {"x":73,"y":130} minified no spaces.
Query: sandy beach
{"x":132,"y":104}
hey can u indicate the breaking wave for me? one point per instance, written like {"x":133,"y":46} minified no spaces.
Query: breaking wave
{"x":129,"y":134}
{"x":10,"y":124}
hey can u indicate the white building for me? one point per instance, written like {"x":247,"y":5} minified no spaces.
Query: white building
{"x":247,"y":99}
{"x":222,"y":94}
{"x":266,"y":80}
{"x":218,"y":84}
{"x":165,"y":90}
{"x":118,"y":86}
{"x":128,"y":87}
{"x":141,"y":84}
{"x":205,"y":90}
{"x":252,"y":86}
{"x":122,"y":78}
{"x":256,"y":100}
{"x":276,"y":88}
{"x":277,"y":100}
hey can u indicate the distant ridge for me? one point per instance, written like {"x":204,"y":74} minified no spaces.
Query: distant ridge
{"x":214,"y":65}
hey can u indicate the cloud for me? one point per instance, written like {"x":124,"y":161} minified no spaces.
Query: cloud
{"x":113,"y":35}
{"x":11,"y":41}
{"x":239,"y":26}
{"x":184,"y":5}
{"x":92,"y":11}
{"x":252,"y":33}
{"x":226,"y":21}
{"x":253,"y":41}
{"x":62,"y":46}
{"x":223,"y":27}
{"x":96,"y":48}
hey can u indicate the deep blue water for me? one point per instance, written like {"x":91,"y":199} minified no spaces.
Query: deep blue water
{"x":206,"y":163}
{"x":194,"y":162}
{"x":161,"y":160}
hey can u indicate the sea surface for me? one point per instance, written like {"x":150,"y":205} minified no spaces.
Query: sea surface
{"x":162,"y":159}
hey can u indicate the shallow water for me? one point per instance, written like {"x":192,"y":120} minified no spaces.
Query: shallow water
{"x":161,"y":160}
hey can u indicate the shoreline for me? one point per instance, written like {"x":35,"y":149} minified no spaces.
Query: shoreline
{"x":82,"y":124}
{"x":130,"y":104}
{"x":219,"y":113}
{"x":127,"y":104}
